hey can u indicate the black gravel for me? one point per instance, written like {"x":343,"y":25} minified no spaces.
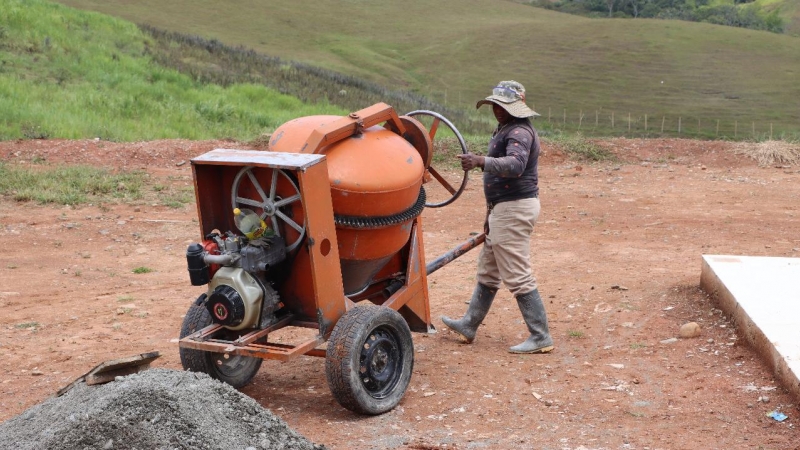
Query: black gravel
{"x":155,"y":409}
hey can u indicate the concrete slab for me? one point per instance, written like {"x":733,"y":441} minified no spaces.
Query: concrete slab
{"x":761,"y":295}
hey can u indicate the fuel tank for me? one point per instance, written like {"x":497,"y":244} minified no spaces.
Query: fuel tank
{"x":376,"y":188}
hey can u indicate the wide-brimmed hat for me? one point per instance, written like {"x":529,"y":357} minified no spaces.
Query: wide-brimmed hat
{"x":510,"y":95}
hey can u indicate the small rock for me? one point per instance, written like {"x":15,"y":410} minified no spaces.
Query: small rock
{"x":36,"y":372}
{"x":689,"y":330}
{"x":619,"y":287}
{"x":109,"y":445}
{"x":669,"y":341}
{"x":763,"y":399}
{"x":617,"y":366}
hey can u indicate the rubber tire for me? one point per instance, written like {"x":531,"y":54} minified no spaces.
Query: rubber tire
{"x":344,"y":349}
{"x":192,"y":360}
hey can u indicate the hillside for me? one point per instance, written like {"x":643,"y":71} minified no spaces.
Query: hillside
{"x":66,"y":73}
{"x":789,"y":10}
{"x":779,"y":16}
{"x":455,"y":51}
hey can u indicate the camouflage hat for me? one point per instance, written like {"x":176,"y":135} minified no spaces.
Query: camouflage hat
{"x":511,"y":96}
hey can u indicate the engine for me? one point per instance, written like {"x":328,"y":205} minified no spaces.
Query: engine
{"x":236,"y":270}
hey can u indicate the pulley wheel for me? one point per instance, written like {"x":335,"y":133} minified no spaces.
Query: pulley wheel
{"x":274,"y":207}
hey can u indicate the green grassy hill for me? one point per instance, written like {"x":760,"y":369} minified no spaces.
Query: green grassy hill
{"x":788,"y":9}
{"x":66,"y":73}
{"x":455,"y":51}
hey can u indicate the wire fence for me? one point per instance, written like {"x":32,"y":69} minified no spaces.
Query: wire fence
{"x":629,"y":124}
{"x":605,"y":122}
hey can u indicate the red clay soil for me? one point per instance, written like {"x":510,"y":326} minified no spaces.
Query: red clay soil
{"x":617,"y":254}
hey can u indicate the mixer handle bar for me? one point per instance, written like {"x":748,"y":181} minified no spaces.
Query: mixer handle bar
{"x":352,"y":125}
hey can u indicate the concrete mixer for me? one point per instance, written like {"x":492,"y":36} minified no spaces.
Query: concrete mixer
{"x":340,"y":251}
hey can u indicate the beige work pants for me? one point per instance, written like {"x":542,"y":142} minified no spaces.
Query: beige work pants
{"x":505,"y":256}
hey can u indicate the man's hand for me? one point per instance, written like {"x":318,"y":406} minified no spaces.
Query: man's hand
{"x":470,"y":161}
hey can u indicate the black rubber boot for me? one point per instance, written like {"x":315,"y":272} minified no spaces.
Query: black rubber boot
{"x":536,"y":318}
{"x":479,"y":306}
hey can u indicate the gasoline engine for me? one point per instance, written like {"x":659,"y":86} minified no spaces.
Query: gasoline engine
{"x":240,"y":294}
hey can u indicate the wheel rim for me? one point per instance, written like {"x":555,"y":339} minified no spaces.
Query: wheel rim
{"x":380,"y":362}
{"x":228,"y":365}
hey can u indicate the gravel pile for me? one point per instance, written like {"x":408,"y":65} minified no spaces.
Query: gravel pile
{"x":155,"y":409}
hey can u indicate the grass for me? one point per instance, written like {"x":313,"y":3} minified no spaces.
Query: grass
{"x":73,"y":185}
{"x":577,"y":146}
{"x":66,"y":73}
{"x":579,"y":72}
{"x":26,"y":325}
{"x":68,"y":185}
{"x":575,"y":334}
{"x":141,"y":270}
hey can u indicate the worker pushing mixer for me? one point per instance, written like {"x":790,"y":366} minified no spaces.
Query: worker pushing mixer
{"x":510,"y":184}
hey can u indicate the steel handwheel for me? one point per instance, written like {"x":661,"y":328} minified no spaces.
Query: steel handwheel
{"x":369,"y":359}
{"x":270,"y":203}
{"x":434,"y":127}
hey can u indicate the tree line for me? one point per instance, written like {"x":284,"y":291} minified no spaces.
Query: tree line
{"x":742,"y":13}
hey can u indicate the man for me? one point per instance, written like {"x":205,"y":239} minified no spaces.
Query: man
{"x":510,"y":184}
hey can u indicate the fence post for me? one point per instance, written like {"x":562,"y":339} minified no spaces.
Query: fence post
{"x":717,"y":127}
{"x":645,"y":123}
{"x":663,"y":118}
{"x":770,"y":131}
{"x":698,"y":125}
{"x":565,"y":117}
{"x":612,"y":119}
{"x":629,"y":122}
{"x":548,"y":114}
{"x":679,"y":125}
{"x":580,"y":120}
{"x":596,"y":118}
{"x":754,"y":129}
{"x":735,"y":128}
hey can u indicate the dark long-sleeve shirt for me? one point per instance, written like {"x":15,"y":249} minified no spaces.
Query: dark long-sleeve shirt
{"x":510,"y":169}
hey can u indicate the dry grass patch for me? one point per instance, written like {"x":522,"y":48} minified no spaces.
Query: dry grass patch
{"x":768,"y":153}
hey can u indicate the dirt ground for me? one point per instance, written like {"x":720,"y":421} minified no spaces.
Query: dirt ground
{"x":617,"y":254}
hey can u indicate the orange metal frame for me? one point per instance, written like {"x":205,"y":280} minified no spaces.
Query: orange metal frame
{"x":315,"y":297}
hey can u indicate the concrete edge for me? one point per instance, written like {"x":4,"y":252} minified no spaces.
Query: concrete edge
{"x":748,"y":330}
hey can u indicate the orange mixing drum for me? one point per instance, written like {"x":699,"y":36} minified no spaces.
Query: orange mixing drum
{"x":376,"y":188}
